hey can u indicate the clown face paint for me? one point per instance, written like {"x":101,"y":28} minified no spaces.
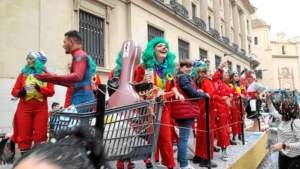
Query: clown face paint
{"x":161,"y":52}
{"x":30,"y":61}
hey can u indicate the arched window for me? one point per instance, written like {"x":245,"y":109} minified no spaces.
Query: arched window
{"x":255,"y":41}
{"x":283,"y":50}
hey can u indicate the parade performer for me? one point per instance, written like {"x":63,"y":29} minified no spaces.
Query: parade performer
{"x":158,"y":57}
{"x":80,"y":78}
{"x":221,"y":80}
{"x":95,"y":82}
{"x":203,"y":81}
{"x":31,"y":117}
{"x":236,"y":86}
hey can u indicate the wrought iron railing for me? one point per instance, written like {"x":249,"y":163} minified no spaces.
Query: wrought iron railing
{"x":199,"y":23}
{"x":235,"y":47}
{"x":178,"y":8}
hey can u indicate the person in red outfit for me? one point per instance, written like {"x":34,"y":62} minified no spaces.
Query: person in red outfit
{"x":203,"y":81}
{"x":158,"y":57}
{"x":31,"y":117}
{"x":221,"y":81}
{"x":80,"y":77}
{"x":236,"y":86}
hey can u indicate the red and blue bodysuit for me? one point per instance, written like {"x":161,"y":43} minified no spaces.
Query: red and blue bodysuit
{"x":79,"y":80}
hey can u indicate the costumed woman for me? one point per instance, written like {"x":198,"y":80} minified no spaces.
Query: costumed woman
{"x":31,"y":117}
{"x":236,"y":86}
{"x":203,"y":81}
{"x":158,"y":57}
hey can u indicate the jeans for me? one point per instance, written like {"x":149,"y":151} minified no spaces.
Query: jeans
{"x":184,"y":134}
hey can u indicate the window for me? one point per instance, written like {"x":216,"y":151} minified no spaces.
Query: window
{"x":203,"y":54}
{"x":154,"y":32}
{"x":217,"y":61}
{"x":248,"y":25}
{"x":183,"y":49}
{"x":193,"y":11}
{"x":283,"y":50}
{"x":92,"y":31}
{"x":249,"y":48}
{"x":229,"y":65}
{"x":222,"y":33}
{"x":258,"y":74}
{"x":255,"y":41}
{"x":209,"y":21}
{"x":238,"y":68}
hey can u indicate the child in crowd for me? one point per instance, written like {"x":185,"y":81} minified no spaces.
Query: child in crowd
{"x":186,"y":111}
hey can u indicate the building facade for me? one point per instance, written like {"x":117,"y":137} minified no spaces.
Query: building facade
{"x":195,"y":29}
{"x":279,"y":60}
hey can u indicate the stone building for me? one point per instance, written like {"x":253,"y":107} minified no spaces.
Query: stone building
{"x":196,"y":29}
{"x":279,"y":60}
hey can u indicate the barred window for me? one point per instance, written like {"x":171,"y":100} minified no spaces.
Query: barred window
{"x":92,"y":30}
{"x":229,"y":65}
{"x":203,"y":54}
{"x":154,"y":32}
{"x":183,"y":49}
{"x":217,"y":61}
{"x":238,"y":68}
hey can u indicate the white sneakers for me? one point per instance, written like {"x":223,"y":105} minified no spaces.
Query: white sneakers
{"x":224,"y":156}
{"x":187,"y":167}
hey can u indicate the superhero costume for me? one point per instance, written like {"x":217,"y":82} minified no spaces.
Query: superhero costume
{"x":79,"y":80}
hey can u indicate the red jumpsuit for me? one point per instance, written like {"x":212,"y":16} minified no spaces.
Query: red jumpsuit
{"x":235,"y":110}
{"x":224,"y":114}
{"x":165,"y":138}
{"x":31,"y":117}
{"x":215,"y":101}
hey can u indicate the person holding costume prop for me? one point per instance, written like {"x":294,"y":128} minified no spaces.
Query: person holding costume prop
{"x":31,"y":117}
{"x":80,"y":78}
{"x":157,"y":57}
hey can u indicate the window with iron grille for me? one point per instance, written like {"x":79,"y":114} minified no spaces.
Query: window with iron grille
{"x":183,"y":49}
{"x":203,"y":54}
{"x":238,"y":68}
{"x":258,"y":74}
{"x":154,"y":32}
{"x":217,"y":61}
{"x":92,"y":30}
{"x":229,"y":64}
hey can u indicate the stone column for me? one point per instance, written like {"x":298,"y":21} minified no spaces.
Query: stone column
{"x":204,"y":12}
{"x":243,"y":30}
{"x":217,"y":16}
{"x":235,"y":15}
{"x":227,"y":19}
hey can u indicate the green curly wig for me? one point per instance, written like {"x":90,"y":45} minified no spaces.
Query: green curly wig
{"x":194,"y":70}
{"x":37,"y":68}
{"x":148,"y":57}
{"x":117,"y":70}
{"x":93,"y":65}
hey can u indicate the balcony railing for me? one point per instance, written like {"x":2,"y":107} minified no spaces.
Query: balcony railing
{"x":178,"y":8}
{"x":252,"y":56}
{"x":199,"y":23}
{"x":235,"y":47}
{"x":226,"y":40}
{"x":215,"y":33}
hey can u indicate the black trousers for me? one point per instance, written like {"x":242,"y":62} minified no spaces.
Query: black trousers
{"x":286,"y":162}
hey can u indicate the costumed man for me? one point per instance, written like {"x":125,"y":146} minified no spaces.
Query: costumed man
{"x":158,"y":57}
{"x":221,"y":81}
{"x":80,"y":78}
{"x":236,"y":86}
{"x":253,"y":91}
{"x":31,"y":117}
{"x":95,"y":82}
